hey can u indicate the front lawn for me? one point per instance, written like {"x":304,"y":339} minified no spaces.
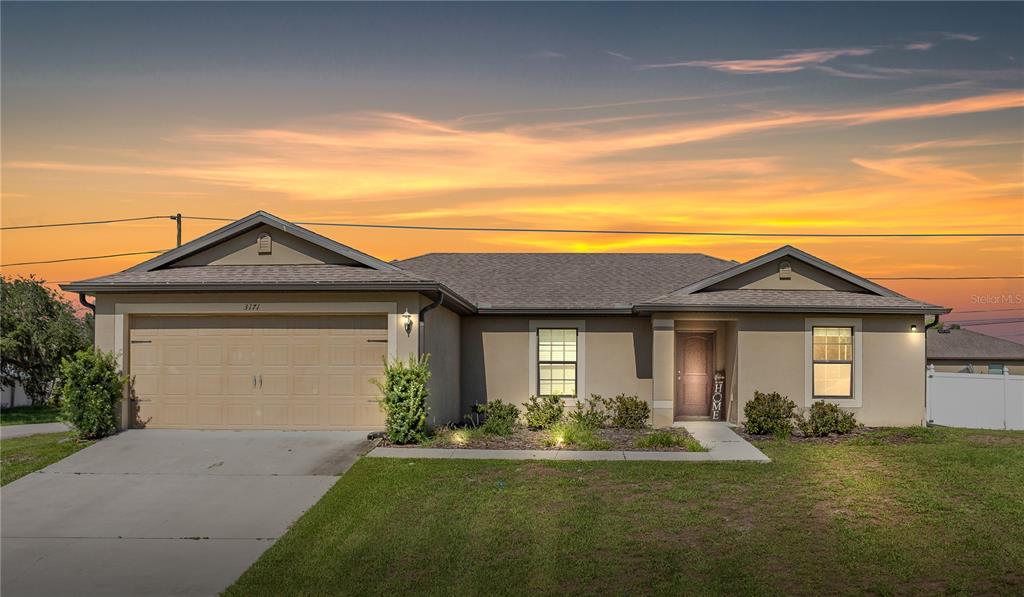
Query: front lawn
{"x":24,"y":415}
{"x":20,"y":456}
{"x":928,"y":511}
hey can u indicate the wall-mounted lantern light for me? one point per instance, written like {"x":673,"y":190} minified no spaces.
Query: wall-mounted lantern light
{"x":913,"y":328}
{"x":407,"y":319}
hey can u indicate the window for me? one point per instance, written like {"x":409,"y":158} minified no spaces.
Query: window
{"x":832,"y":362}
{"x":995,"y":368}
{"x":556,"y":362}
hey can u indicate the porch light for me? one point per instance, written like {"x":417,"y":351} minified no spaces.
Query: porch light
{"x":913,"y":328}
{"x":407,"y":319}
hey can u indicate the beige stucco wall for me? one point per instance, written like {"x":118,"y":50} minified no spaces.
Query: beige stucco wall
{"x":772,"y":356}
{"x":980,"y":365}
{"x":114,"y":313}
{"x":802,"y":277}
{"x":286,"y":250}
{"x":496,"y":360}
{"x":442,"y":341}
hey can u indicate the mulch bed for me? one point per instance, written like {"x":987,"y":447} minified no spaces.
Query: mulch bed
{"x":528,"y":439}
{"x":873,"y":434}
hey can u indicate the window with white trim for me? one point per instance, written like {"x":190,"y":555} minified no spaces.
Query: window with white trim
{"x":832,"y":362}
{"x":556,"y":361}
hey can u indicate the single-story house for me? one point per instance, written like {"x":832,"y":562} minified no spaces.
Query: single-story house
{"x":956,"y":350}
{"x":263,"y":324}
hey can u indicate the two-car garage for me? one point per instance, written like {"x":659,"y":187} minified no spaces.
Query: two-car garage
{"x":257,"y":371}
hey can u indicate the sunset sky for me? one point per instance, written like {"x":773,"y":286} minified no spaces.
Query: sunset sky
{"x":796,"y":117}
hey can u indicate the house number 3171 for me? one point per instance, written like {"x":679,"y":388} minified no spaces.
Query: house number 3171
{"x":251,"y":307}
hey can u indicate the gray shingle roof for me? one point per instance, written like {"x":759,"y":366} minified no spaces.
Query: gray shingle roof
{"x":965,"y":344}
{"x":787,"y":300}
{"x":580,"y":281}
{"x":250,"y":275}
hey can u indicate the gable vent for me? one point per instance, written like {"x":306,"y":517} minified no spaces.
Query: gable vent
{"x":264,"y":244}
{"x":785,"y":271}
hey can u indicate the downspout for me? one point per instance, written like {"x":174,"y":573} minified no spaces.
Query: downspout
{"x":423,"y":322}
{"x":934,"y":323}
{"x":86,"y":303}
{"x":929,"y":370}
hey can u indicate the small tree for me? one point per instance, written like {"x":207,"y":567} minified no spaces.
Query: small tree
{"x":405,"y":398}
{"x":38,"y":329}
{"x":93,"y":386}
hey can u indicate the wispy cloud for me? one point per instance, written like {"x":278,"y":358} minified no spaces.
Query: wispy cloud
{"x":959,"y":36}
{"x":786,"y":63}
{"x":960,"y":143}
{"x":546,"y":55}
{"x":924,"y":170}
{"x":386,"y":156}
{"x":618,"y":55}
{"x":921,"y":46}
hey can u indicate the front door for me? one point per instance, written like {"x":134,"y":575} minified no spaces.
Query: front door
{"x":694,"y":373}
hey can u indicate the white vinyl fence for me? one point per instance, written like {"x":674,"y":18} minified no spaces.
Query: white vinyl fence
{"x":976,"y":400}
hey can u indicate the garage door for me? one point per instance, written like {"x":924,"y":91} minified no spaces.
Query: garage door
{"x":258,"y":372}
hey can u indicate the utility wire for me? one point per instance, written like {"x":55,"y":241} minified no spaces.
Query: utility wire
{"x":83,"y":258}
{"x":645,"y":232}
{"x":85,"y":223}
{"x":987,"y":321}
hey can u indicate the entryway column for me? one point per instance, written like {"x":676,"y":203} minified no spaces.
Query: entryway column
{"x":663,"y":370}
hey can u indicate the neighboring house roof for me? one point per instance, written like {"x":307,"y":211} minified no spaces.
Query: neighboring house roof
{"x":961,"y":344}
{"x":563,"y":281}
{"x":747,"y":299}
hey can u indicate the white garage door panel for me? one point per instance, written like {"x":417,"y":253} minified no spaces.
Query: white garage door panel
{"x":258,"y":372}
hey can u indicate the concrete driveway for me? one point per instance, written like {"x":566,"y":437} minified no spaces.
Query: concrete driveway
{"x":163,"y":512}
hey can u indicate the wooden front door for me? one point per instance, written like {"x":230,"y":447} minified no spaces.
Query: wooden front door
{"x":694,"y":373}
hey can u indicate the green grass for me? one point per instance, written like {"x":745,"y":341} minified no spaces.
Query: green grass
{"x":668,"y":439}
{"x":20,"y":456}
{"x":24,"y":415}
{"x":919,"y":512}
{"x":576,"y":437}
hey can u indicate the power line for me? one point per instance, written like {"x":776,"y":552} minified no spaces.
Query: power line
{"x":84,"y":258}
{"x":988,"y":321}
{"x":62,"y":224}
{"x":644,"y":232}
{"x":949,"y":278}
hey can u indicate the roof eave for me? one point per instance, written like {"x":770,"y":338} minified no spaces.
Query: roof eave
{"x":452,"y":299}
{"x":554,"y":311}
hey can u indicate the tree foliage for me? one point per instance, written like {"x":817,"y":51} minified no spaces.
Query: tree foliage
{"x":38,"y":329}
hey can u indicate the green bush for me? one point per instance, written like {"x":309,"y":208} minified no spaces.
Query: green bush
{"x":405,"y":399}
{"x":591,"y":416}
{"x":826,"y":418}
{"x":500,"y":418}
{"x":629,"y":412}
{"x":543,"y":412}
{"x":92,"y":388}
{"x":668,"y":439}
{"x":577,"y":436}
{"x":769,"y":414}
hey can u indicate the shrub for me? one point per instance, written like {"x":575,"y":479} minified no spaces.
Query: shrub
{"x":825,"y":418}
{"x":543,"y":412}
{"x":629,"y":412}
{"x":500,"y":418}
{"x":591,"y":416}
{"x":405,"y":399}
{"x":769,"y":414}
{"x":668,"y":439}
{"x":577,"y":436}
{"x":92,"y":387}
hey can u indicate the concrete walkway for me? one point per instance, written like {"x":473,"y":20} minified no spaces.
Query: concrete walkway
{"x":721,"y":441}
{"x":163,"y":512}
{"x":8,"y":431}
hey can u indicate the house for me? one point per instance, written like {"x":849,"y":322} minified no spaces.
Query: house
{"x":264,"y":324}
{"x":964,"y":351}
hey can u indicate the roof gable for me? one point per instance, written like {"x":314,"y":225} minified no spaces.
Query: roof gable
{"x":816,"y":273}
{"x":303,"y":245}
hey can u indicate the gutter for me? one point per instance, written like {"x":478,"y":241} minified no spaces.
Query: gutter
{"x":423,"y":321}
{"x":85,"y":303}
{"x":934,"y":322}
